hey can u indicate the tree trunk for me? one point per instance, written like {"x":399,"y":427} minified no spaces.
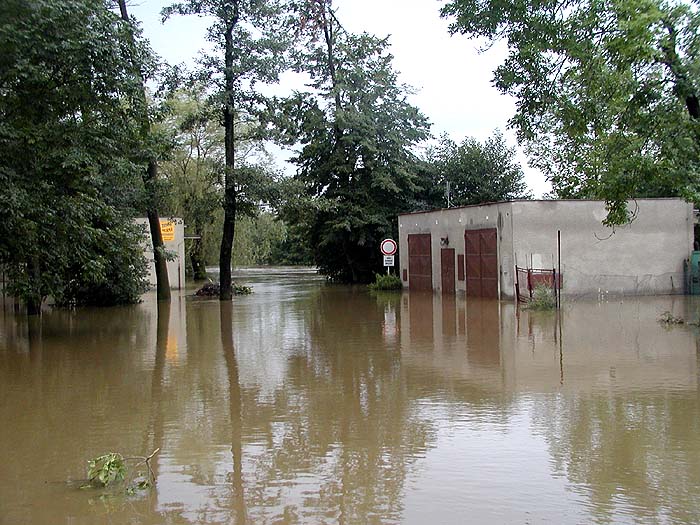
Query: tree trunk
{"x":226,"y":289}
{"x":199,"y":268}
{"x":162,"y":280}
{"x":34,"y":300}
{"x":226,"y":250}
{"x":149,"y":178}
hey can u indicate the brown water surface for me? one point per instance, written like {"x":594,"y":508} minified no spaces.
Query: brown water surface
{"x":310,"y":403}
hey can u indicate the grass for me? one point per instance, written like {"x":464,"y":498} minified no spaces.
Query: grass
{"x":386,"y":282}
{"x":542,"y":298}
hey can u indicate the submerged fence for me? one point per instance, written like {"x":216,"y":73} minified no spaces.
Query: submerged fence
{"x":527,"y":279}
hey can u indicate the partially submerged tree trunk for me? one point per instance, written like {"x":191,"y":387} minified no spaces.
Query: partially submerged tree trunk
{"x":199,"y":269}
{"x":149,"y":178}
{"x":162,"y":280}
{"x":35,"y":299}
{"x":225,"y":290}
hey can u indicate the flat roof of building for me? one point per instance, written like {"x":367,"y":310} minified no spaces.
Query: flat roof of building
{"x":533,"y":200}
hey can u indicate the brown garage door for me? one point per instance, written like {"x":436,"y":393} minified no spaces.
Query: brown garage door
{"x":420,"y":265}
{"x":447,"y":270}
{"x":482,"y":262}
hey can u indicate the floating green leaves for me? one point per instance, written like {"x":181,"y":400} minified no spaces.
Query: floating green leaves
{"x":112,"y":470}
{"x":107,"y":469}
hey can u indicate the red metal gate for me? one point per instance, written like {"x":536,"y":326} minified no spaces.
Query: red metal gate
{"x":420,"y":265}
{"x":480,"y":247}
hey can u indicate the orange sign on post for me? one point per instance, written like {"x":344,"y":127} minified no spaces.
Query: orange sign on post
{"x":167,"y":230}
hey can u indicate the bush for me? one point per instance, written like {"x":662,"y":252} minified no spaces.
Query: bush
{"x":542,"y":298}
{"x":211,"y":289}
{"x":667,"y":318}
{"x":385,"y":282}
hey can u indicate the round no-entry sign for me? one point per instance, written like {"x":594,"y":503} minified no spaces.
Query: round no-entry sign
{"x":388,"y":246}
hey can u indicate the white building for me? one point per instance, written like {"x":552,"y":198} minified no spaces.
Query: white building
{"x":476,"y":249}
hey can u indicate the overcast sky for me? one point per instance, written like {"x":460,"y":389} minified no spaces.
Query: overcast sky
{"x":451,"y":78}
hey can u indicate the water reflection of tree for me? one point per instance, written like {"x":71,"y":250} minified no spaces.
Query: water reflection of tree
{"x":343,"y":420}
{"x":238,"y":496}
{"x":630,"y":452}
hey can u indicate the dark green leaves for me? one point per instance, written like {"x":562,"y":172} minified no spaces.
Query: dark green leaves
{"x":605,"y":92}
{"x":478,"y":172}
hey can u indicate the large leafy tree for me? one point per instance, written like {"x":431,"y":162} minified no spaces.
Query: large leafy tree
{"x":477,"y":172}
{"x":356,"y":169}
{"x":249,"y":38}
{"x":607,"y":92}
{"x":68,"y":98}
{"x":194,"y":169}
{"x":194,"y":173}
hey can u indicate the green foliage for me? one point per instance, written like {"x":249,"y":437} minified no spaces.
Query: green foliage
{"x":241,"y":289}
{"x":250,"y":37}
{"x":69,"y":100}
{"x":193,"y":171}
{"x":542,"y":298}
{"x":211,"y":289}
{"x":607,"y":92}
{"x":112,"y":470}
{"x":384,"y":281}
{"x":356,"y":169}
{"x":256,"y":238}
{"x":117,"y":273}
{"x":668,"y":319}
{"x":107,"y":469}
{"x":478,"y":172}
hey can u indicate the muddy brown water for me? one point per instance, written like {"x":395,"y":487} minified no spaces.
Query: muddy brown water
{"x":309,"y":403}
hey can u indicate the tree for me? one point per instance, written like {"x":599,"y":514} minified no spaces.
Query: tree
{"x":477,"y":172}
{"x":150,"y":169}
{"x":249,"y":37}
{"x":193,"y":170}
{"x":607,"y":92}
{"x":356,"y":168}
{"x":68,"y":100}
{"x":194,"y":173}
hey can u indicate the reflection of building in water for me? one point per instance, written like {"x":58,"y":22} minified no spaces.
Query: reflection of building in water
{"x":608,"y":393}
{"x":616,"y":345}
{"x":171,"y":332}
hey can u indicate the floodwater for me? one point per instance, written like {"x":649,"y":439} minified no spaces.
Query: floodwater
{"x":312,"y":403}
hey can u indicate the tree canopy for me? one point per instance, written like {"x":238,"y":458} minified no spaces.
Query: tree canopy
{"x":607,"y":92}
{"x":477,"y":172}
{"x":356,"y":169}
{"x":68,"y":100}
{"x":250,"y":39}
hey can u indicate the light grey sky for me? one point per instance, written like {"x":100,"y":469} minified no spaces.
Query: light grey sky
{"x":451,"y":78}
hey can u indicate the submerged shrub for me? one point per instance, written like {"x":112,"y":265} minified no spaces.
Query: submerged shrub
{"x":385,"y":282}
{"x":667,"y":318}
{"x":542,"y":298}
{"x":211,"y":289}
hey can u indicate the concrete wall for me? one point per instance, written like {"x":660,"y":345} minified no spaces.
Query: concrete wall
{"x":176,"y":267}
{"x":642,"y":258}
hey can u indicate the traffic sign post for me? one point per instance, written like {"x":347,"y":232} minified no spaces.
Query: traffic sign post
{"x":388,"y":249}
